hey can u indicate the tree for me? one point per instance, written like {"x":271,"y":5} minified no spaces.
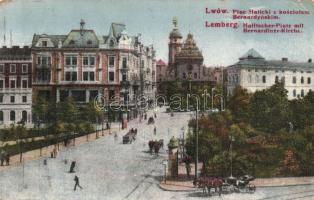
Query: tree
{"x":239,"y":105}
{"x":269,"y":109}
{"x":20,"y":134}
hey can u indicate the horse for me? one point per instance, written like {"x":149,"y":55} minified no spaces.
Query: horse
{"x":208,"y":183}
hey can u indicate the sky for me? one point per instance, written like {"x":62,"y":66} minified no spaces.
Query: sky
{"x":153,"y":19}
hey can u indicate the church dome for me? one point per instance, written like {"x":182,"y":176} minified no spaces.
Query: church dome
{"x":175,"y":33}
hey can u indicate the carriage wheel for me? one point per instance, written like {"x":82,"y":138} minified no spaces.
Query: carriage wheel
{"x":251,"y":188}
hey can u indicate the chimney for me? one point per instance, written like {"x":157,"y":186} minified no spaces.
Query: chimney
{"x":15,"y":47}
{"x":284,"y":59}
{"x":4,"y":47}
{"x":310,"y":60}
{"x":25,"y":47}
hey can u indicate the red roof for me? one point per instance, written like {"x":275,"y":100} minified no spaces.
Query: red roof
{"x":161,"y":62}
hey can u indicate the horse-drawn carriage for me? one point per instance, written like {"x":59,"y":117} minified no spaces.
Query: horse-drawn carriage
{"x":150,"y":120}
{"x":227,"y":185}
{"x":155,"y":145}
{"x":129,"y":137}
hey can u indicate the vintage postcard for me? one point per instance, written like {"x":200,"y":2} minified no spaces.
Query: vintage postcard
{"x":156,"y":99}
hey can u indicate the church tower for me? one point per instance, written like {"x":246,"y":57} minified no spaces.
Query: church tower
{"x":175,"y":42}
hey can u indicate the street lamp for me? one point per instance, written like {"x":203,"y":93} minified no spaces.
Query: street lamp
{"x":232,"y":140}
{"x":213,"y":98}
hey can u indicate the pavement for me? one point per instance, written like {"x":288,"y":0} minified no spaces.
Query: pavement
{"x":183,"y":183}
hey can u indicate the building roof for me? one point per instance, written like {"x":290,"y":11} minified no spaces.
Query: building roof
{"x":175,"y":33}
{"x":82,"y":39}
{"x":15,"y":53}
{"x":54,"y":38}
{"x":251,"y":54}
{"x":161,"y":62}
{"x":189,"y":50}
{"x":116,"y":29}
{"x":253,"y":59}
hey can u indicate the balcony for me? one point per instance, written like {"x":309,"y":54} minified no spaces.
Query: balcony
{"x":125,"y":83}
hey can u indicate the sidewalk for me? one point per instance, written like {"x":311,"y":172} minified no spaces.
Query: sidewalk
{"x":185,"y":184}
{"x":35,"y":154}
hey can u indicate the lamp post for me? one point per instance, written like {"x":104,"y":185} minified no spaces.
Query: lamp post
{"x":213,"y":98}
{"x":232,"y":140}
{"x":190,"y":79}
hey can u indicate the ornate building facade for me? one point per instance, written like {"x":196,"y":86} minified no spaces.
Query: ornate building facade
{"x":84,"y":65}
{"x":185,"y":59}
{"x":15,"y":86}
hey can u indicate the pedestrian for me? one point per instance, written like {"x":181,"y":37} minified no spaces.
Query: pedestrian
{"x":77,"y":183}
{"x":55,"y":152}
{"x":155,"y":131}
{"x":115,"y":137}
{"x":7,"y":159}
{"x":2,"y":157}
{"x":73,"y":163}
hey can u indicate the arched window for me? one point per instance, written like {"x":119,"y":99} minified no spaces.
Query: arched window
{"x":294,"y":79}
{"x":12,"y":115}
{"x":257,"y":79}
{"x":294,"y":93}
{"x":249,"y":78}
{"x":24,"y":116}
{"x":302,"y":80}
{"x":264,"y":79}
{"x":276,"y":79}
{"x":302,"y":93}
{"x":89,"y":42}
{"x":72,"y":42}
{"x":309,"y":80}
{"x":111,"y":43}
{"x":1,"y":115}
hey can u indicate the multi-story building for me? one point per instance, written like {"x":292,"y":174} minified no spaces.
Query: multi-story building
{"x":185,"y":59}
{"x":84,"y":65}
{"x":254,"y":72}
{"x":15,"y":86}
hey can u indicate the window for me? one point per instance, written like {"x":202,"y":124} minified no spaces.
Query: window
{"x":302,"y":93}
{"x":43,"y":74}
{"x":71,"y":61}
{"x":1,"y":84}
{"x":24,"y":116}
{"x":64,"y":94}
{"x":111,"y":94}
{"x":72,"y":42}
{"x":195,"y":75}
{"x":12,"y":83}
{"x":89,"y":61}
{"x":184,"y":75}
{"x":24,"y":99}
{"x":93,"y":94}
{"x":294,"y":80}
{"x":24,"y":68}
{"x":249,"y":79}
{"x":1,"y":68}
{"x":111,"y":76}
{"x":264,"y":79}
{"x":124,"y":62}
{"x":124,"y":77}
{"x":283,"y":80}
{"x":12,"y":99}
{"x":1,"y":115}
{"x":12,"y":68}
{"x":89,"y":42}
{"x":248,"y":70}
{"x":256,"y":70}
{"x":12,"y":115}
{"x":276,"y":79}
{"x":294,"y":93}
{"x":71,"y":76}
{"x":1,"y":98}
{"x":264,"y":70}
{"x":43,"y":60}
{"x":111,"y":43}
{"x":111,"y":61}
{"x":79,"y":95}
{"x":308,"y":80}
{"x":257,"y":79}
{"x":24,"y":83}
{"x":302,"y":79}
{"x":44,"y":43}
{"x":88,"y":76}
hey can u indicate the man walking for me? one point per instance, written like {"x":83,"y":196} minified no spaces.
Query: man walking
{"x":77,"y":183}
